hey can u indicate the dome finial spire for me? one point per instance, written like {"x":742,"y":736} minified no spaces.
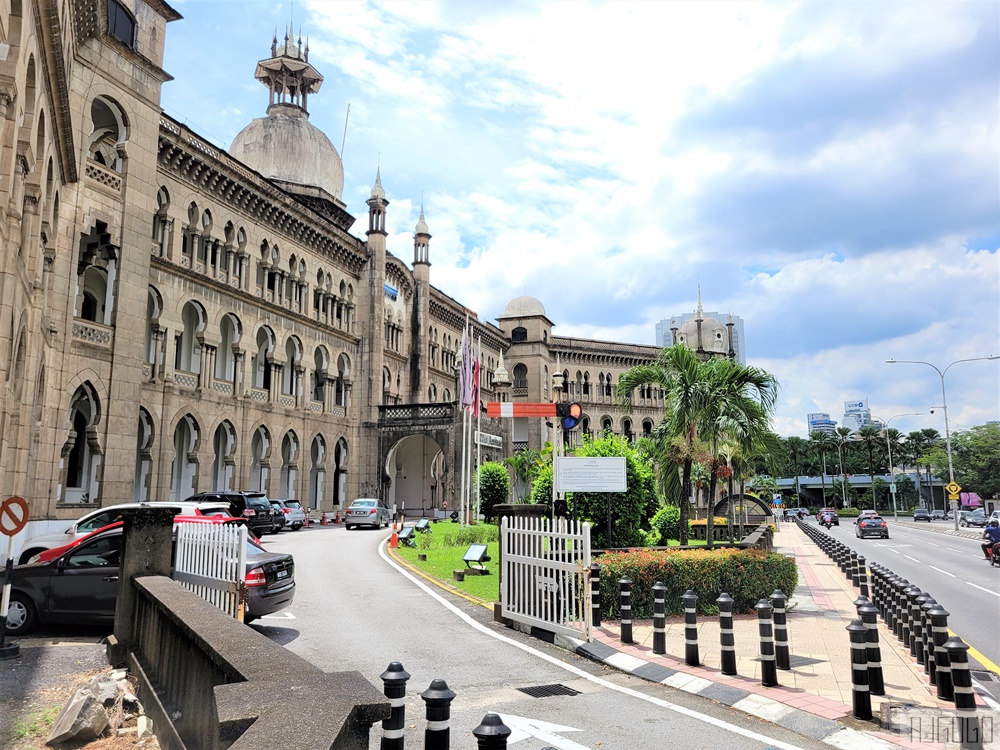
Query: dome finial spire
{"x":700,"y":310}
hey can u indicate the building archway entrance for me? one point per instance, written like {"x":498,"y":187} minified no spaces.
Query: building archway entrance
{"x":416,"y":477}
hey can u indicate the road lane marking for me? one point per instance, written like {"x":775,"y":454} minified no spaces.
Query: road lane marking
{"x":952,"y":549}
{"x":931,"y":544}
{"x":975,"y":586}
{"x":912,"y":558}
{"x":941,"y":571}
{"x":690,"y":713}
{"x":893,"y":550}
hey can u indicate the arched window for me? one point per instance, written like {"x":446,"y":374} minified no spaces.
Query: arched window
{"x":260,"y":468}
{"x":225,"y":357}
{"x":519,"y":335}
{"x":317,"y":471}
{"x":154,"y":306}
{"x":188,"y":353}
{"x":261,"y":365}
{"x":143,"y":458}
{"x":184,"y":472}
{"x":293,"y":356}
{"x":343,"y":375}
{"x":160,"y":218}
{"x":121,"y":25}
{"x":520,"y":375}
{"x":289,"y":466}
{"x":224,"y":460}
{"x":110,"y":132}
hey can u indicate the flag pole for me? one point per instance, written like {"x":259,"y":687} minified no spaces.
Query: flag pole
{"x":479,"y":422}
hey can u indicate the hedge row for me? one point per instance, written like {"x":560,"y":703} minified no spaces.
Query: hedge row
{"x":747,"y":575}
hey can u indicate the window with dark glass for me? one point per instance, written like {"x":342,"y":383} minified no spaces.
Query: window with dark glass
{"x":519,"y":334}
{"x":121,"y":25}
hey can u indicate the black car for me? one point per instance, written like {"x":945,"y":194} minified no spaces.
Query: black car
{"x":81,"y":585}
{"x":921,"y":514}
{"x":277,"y":516}
{"x":871,"y":526}
{"x":253,"y":506}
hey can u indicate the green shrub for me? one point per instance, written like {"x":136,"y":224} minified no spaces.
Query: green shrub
{"x":494,"y":488}
{"x":849,"y":513}
{"x":667,"y":521}
{"x":746,"y":575}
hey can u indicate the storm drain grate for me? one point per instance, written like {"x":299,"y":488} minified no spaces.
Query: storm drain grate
{"x":984,"y":676}
{"x":547,"y":691}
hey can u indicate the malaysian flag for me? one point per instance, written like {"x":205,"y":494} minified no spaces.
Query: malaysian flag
{"x":475,"y":387}
{"x":465,"y":372}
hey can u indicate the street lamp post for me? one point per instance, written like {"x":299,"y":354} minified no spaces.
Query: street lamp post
{"x":944,"y":407}
{"x":888,"y":448}
{"x":843,"y":474}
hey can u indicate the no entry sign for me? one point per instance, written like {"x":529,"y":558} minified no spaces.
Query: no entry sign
{"x":13,"y":515}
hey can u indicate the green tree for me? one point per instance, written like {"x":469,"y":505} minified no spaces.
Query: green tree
{"x":691,"y":389}
{"x":526,"y":464}
{"x":842,"y":439}
{"x":494,"y":487}
{"x":916,"y":448}
{"x":869,"y":437}
{"x":824,"y":443}
{"x":632,"y":510}
{"x":976,"y":457}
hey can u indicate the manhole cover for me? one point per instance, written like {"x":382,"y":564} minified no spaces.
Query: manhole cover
{"x":546,"y":691}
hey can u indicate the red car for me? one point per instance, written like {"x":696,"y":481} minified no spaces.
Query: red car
{"x":51,"y":554}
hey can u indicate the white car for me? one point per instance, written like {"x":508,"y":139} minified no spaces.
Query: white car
{"x":100,"y":517}
{"x":366,"y":511}
{"x":295,"y":517}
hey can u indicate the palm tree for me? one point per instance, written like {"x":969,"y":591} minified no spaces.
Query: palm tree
{"x":796,"y":447}
{"x":870,"y":437}
{"x":824,"y":442}
{"x":698,"y":392}
{"x":525,"y":464}
{"x":915,"y":447}
{"x":841,"y":439}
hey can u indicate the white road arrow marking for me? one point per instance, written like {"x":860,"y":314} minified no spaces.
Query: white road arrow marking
{"x":522,"y":728}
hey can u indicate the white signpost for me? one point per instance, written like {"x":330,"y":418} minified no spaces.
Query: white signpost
{"x":488,"y":440}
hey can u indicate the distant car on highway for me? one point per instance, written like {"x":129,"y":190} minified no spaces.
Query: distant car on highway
{"x":921,"y":514}
{"x":865,"y":514}
{"x":940,"y":515}
{"x":871,"y":526}
{"x":976,"y":517}
{"x":832,"y":512}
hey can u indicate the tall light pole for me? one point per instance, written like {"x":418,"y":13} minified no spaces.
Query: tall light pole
{"x":841,"y":439}
{"x":944,"y":407}
{"x":888,"y":447}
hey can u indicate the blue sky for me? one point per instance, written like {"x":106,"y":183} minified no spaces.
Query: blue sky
{"x":830,"y":172}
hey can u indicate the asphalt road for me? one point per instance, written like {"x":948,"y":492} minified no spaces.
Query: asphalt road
{"x":949,"y":568}
{"x":355,"y":610}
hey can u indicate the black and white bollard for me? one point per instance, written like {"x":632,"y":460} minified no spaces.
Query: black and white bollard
{"x":782,"y":660}
{"x":595,"y":595}
{"x":855,"y":570}
{"x":863,"y":575}
{"x":925,"y":621}
{"x":394,"y":680}
{"x":900,"y":609}
{"x":768,"y":671}
{"x":437,"y":703}
{"x":690,"y":600}
{"x":659,"y":619}
{"x":906,"y":632}
{"x":970,"y":732}
{"x":869,"y":616}
{"x":861,"y":696}
{"x":942,"y":662}
{"x":625,"y":589}
{"x":916,"y":633}
{"x":726,"y":635}
{"x":492,"y":733}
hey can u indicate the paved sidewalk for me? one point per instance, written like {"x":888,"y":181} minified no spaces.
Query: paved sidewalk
{"x":814,"y":697}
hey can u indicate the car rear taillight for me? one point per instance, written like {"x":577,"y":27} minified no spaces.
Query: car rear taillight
{"x":249,"y":512}
{"x":286,"y":511}
{"x":256,"y":577}
{"x":372,"y":512}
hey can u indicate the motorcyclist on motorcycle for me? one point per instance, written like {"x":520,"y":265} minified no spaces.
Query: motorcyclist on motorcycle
{"x":992,"y":536}
{"x":827,"y":520}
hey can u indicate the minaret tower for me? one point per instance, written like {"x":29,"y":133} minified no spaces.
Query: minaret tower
{"x":419,"y":359}
{"x":729,"y":330}
{"x":376,"y":234}
{"x":699,"y":317}
{"x":673,"y":331}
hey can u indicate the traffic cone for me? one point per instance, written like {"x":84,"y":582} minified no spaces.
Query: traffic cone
{"x":322,"y":520}
{"x":337,"y":519}
{"x":394,"y":540}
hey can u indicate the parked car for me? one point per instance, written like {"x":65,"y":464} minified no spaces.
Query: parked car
{"x":366,"y":511}
{"x":994,"y":516}
{"x":975,"y":517}
{"x":940,"y":515}
{"x":921,"y":514}
{"x":295,"y":516}
{"x":865,"y":514}
{"x":80,"y":586}
{"x":254,"y":506}
{"x":278,"y":521}
{"x":871,"y":526}
{"x":101,"y":517}
{"x":832,"y":512}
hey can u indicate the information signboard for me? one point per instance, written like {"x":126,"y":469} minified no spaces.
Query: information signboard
{"x":590,"y":474}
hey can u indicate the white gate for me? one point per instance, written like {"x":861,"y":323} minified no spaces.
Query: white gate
{"x":544,"y":574}
{"x":211,"y":561}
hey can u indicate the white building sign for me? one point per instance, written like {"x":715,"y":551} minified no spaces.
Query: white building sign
{"x":488,"y":440}
{"x":589,"y":474}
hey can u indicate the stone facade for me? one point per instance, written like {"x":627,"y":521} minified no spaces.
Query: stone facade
{"x":173,"y":320}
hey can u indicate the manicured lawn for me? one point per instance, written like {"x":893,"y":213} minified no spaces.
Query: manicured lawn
{"x":441,"y":561}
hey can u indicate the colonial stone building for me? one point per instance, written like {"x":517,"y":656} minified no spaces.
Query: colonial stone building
{"x":175,"y":318}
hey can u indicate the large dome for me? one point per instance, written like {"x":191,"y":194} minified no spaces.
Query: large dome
{"x":522,"y":307}
{"x":286,"y":146}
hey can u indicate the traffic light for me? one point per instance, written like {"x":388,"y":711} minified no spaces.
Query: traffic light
{"x":569,"y":414}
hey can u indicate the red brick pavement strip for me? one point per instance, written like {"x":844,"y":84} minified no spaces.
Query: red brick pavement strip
{"x":817,"y":592}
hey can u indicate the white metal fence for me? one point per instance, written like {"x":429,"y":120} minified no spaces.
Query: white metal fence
{"x":544,"y":574}
{"x":211,"y":561}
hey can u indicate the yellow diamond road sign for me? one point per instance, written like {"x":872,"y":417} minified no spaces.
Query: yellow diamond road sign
{"x":953,"y":488}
